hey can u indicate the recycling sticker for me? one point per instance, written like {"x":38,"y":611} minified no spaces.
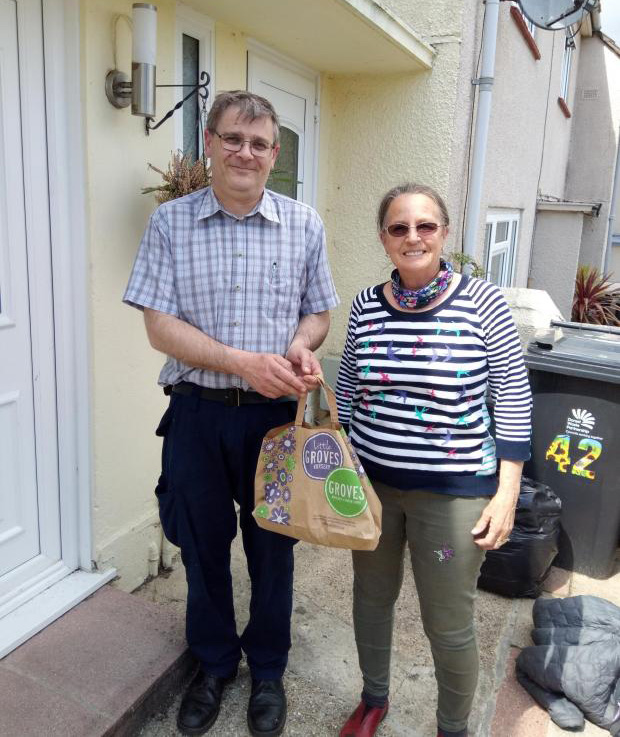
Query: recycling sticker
{"x":344,"y":493}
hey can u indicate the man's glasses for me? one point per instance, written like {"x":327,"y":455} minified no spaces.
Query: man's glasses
{"x":233,"y":142}
{"x":424,"y":230}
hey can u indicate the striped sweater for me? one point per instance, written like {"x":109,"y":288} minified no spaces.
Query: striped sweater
{"x":412,"y":389}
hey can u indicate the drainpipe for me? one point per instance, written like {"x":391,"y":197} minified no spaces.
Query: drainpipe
{"x":481,"y":133}
{"x":615,"y":193}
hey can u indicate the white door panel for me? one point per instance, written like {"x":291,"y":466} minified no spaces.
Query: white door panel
{"x":19,"y":525}
{"x":293,"y":96}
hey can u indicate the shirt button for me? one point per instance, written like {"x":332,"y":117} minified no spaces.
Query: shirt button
{"x":237,"y":287}
{"x":235,"y":323}
{"x":239,"y":255}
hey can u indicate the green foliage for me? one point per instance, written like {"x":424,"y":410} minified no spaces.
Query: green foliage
{"x":181,"y":178}
{"x":595,"y":301}
{"x":460,"y":260}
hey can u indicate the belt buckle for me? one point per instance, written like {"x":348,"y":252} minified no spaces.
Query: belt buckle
{"x":234,"y":397}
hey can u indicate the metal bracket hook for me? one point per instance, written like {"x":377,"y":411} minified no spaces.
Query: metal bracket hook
{"x":200,"y":90}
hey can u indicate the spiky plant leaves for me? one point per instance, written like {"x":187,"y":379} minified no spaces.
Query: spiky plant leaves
{"x":595,"y":301}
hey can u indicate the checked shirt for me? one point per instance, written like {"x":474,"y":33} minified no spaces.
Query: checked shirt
{"x":245,"y":281}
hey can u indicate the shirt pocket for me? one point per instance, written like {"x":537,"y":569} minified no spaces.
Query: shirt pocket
{"x":282,"y":290}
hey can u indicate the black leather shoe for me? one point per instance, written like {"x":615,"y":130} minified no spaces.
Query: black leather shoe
{"x":201,"y":703}
{"x":267,"y":708}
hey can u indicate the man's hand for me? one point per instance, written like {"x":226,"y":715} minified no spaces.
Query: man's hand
{"x":270,"y":375}
{"x":305,"y":365}
{"x":310,"y":334}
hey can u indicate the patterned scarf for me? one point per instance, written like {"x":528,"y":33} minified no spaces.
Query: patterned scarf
{"x":410,"y":298}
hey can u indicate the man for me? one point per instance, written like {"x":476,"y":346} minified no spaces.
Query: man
{"x":235,"y":288}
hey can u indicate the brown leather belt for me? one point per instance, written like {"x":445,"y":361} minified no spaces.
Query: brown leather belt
{"x":231,"y":397}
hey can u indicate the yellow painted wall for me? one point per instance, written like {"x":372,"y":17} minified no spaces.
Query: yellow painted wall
{"x":126,"y":403}
{"x":230,"y":58}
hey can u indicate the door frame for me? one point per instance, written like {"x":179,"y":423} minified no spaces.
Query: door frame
{"x":201,"y":27}
{"x":259,"y":49}
{"x":49,"y":595}
{"x":67,"y":184}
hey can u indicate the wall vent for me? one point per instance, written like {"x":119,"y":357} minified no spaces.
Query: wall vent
{"x":591,"y":94}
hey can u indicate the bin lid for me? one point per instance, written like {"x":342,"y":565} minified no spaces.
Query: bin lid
{"x":577,"y":350}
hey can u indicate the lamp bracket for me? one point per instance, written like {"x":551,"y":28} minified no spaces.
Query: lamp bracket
{"x":118,"y":88}
{"x":199,"y":89}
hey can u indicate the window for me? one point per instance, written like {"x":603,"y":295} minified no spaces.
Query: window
{"x":501,"y":246}
{"x":567,"y":60}
{"x":194,"y":55}
{"x":284,"y":178}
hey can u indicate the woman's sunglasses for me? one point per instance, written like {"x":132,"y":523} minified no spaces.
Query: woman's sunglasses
{"x":400,"y":230}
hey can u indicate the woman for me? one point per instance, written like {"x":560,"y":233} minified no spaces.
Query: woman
{"x":420,"y":352}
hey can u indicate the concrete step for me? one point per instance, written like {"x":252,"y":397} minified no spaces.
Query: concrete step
{"x":100,"y":670}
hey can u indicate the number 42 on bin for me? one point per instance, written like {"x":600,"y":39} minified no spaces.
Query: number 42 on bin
{"x":559,"y":451}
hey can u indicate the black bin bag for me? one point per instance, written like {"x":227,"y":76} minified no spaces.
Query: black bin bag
{"x":520,"y":566}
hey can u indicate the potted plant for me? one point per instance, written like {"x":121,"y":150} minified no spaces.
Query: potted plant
{"x":182,"y":177}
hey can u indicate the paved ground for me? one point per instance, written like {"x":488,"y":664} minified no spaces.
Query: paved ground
{"x":323,"y":683}
{"x":91,"y":672}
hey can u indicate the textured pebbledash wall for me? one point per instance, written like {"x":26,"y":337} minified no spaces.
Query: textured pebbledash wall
{"x":383,"y":130}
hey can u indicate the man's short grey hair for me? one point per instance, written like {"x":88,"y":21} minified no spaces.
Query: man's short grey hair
{"x":250,"y":108}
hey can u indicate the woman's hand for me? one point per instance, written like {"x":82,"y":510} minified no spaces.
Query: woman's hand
{"x":493,"y":528}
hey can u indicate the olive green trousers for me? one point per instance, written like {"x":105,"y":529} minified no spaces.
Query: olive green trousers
{"x":446,"y":564}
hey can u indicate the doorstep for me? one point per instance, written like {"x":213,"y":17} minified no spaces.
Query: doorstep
{"x":97,"y":671}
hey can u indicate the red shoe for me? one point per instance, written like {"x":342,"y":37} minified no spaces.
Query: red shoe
{"x":364,"y":720}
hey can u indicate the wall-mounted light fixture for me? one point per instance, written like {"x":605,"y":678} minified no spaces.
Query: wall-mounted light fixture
{"x":140,"y":91}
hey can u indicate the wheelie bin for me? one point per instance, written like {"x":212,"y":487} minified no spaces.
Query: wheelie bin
{"x":575,"y":377}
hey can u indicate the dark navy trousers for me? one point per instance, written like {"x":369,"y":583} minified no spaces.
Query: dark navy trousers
{"x":209,"y":457}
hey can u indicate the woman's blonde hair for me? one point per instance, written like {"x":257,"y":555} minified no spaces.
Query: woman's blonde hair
{"x":411,"y":188}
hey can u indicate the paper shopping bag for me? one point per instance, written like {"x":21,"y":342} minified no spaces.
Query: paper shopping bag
{"x":310,"y":485}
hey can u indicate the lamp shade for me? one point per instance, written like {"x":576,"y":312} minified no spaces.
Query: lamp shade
{"x":144,"y":33}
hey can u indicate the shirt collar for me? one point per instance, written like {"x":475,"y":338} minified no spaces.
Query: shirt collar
{"x":265,"y":207}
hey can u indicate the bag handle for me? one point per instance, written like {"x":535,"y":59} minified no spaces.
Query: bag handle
{"x":331,"y":403}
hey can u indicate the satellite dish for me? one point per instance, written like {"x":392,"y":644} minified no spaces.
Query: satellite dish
{"x":556,"y":14}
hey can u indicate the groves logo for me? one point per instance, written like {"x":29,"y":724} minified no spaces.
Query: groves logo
{"x":580,"y":421}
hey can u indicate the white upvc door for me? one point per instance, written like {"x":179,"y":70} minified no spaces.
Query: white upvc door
{"x":29,"y":499}
{"x":19,"y":524}
{"x":292,"y":90}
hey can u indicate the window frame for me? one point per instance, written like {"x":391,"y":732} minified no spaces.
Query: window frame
{"x":567,"y":63}
{"x":509,"y":247}
{"x":193,"y":23}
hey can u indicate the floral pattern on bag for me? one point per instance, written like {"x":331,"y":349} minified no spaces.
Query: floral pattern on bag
{"x":278,"y":467}
{"x":280,"y":516}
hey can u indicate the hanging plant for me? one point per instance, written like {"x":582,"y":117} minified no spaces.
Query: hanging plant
{"x":595,"y":300}
{"x":182,"y":177}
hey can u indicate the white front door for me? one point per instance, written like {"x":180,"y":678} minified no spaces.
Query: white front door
{"x":29,"y":517}
{"x":292,"y":92}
